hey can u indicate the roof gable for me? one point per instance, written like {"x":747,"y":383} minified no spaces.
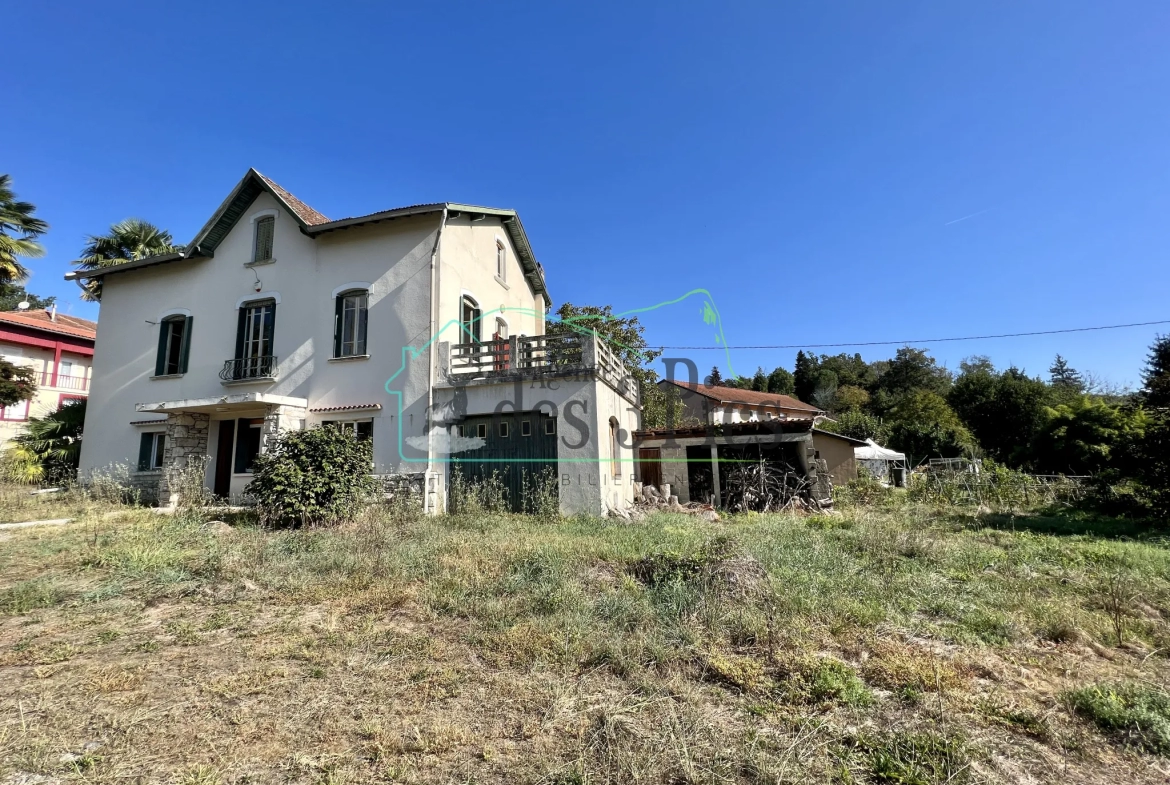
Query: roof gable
{"x":748,"y":397}
{"x":237,"y":203}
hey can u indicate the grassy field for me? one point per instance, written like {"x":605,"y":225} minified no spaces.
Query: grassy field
{"x":898,"y":645}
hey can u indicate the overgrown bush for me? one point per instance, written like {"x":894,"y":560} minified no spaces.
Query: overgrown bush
{"x":313,"y":477}
{"x":468,"y":495}
{"x":541,"y":494}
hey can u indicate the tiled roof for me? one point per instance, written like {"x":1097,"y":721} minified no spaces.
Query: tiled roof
{"x":303,"y":211}
{"x":42,"y":320}
{"x":353,"y":407}
{"x":750,"y":397}
{"x":754,"y":428}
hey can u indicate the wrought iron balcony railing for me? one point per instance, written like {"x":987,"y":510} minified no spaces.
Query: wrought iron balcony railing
{"x":243,"y":368}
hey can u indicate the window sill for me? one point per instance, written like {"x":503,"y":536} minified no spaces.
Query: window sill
{"x":502,"y":282}
{"x":253,"y":380}
{"x":260,"y":263}
{"x":148,"y":471}
{"x":168,"y":376}
{"x":348,"y":358}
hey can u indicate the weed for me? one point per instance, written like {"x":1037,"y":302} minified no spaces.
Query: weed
{"x":29,"y":596}
{"x":907,"y":758}
{"x":1133,"y":713}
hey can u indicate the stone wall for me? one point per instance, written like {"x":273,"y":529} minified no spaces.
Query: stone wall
{"x":186,"y":444}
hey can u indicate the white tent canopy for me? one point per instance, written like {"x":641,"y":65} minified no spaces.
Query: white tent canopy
{"x":875,"y":452}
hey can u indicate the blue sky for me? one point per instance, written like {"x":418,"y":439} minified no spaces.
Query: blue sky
{"x":808,"y":165}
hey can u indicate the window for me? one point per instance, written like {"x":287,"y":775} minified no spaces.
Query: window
{"x":151,"y":448}
{"x":174,"y":345}
{"x":462,"y":431}
{"x":550,"y":427}
{"x":501,"y":261}
{"x":247,"y":444}
{"x":614,"y":448}
{"x":469,"y":318}
{"x":349,"y":328}
{"x":525,"y":428}
{"x":254,"y":341}
{"x":262,"y":248}
{"x":362,"y":429}
{"x":505,"y":428}
{"x":501,"y":330}
{"x":17,"y":411}
{"x":481,"y":430}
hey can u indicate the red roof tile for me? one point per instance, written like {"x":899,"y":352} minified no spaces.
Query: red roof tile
{"x":750,"y":397}
{"x":42,"y":320}
{"x":303,"y":211}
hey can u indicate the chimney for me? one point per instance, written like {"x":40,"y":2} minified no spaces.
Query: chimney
{"x":53,"y":313}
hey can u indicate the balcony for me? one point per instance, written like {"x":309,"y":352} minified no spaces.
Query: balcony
{"x":536,"y":356}
{"x":64,"y":382}
{"x":247,"y":369}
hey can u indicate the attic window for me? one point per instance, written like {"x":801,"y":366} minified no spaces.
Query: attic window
{"x":501,"y":261}
{"x":265,"y":229}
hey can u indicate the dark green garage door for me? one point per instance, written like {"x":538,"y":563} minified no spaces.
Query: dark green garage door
{"x":516,"y":445}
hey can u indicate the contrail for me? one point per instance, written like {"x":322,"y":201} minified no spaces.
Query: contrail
{"x":965,"y":217}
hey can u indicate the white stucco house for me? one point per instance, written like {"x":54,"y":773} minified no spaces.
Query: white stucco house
{"x":421,"y":328}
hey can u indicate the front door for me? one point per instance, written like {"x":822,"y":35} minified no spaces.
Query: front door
{"x":223,"y":458}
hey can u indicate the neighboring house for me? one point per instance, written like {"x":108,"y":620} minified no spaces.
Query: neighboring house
{"x":58,"y":348}
{"x":421,"y":328}
{"x":717,"y":405}
{"x":838,"y":452}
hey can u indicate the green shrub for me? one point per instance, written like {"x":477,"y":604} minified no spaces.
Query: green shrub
{"x":917,"y":759}
{"x":318,"y":476}
{"x":1134,"y":713}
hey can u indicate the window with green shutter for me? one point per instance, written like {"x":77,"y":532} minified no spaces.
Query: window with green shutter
{"x":174,"y":346}
{"x":265,"y":229}
{"x":351,"y":313}
{"x":151,"y":447}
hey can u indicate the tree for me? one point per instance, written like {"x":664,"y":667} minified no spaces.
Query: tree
{"x":1004,"y":411}
{"x":49,"y":449}
{"x":923,"y":426}
{"x":912,"y":370}
{"x":126,"y":241}
{"x":1066,"y":381}
{"x":849,"y":369}
{"x":17,"y":383}
{"x":858,"y":425}
{"x":850,"y":398}
{"x":781,"y":382}
{"x":804,"y":379}
{"x":1155,"y":392}
{"x":12,"y":295}
{"x":626,"y":337}
{"x":760,"y":380}
{"x":18,"y":232}
{"x":715,"y":379}
{"x":1086,"y":436}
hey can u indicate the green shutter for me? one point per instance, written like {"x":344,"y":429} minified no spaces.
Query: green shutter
{"x":269,"y":330}
{"x":185,"y":351}
{"x":243,"y":312}
{"x":160,"y":362}
{"x":144,"y":445}
{"x":338,"y":305}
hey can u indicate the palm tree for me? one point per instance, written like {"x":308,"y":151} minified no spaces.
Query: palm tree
{"x":127,"y":241}
{"x":17,"y":230}
{"x":49,"y":448}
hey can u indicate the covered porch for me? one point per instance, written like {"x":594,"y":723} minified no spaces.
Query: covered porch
{"x":224,"y":433}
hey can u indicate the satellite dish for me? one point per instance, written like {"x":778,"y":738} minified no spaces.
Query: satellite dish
{"x":23,"y":305}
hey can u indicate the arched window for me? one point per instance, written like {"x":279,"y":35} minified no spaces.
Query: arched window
{"x":174,"y":345}
{"x":469,"y":317}
{"x":501,"y":333}
{"x":349,"y":324}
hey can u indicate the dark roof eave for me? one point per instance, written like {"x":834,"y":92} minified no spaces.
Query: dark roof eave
{"x":843,"y":437}
{"x":137,"y":264}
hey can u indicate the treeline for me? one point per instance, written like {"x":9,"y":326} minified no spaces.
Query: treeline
{"x":1067,"y":423}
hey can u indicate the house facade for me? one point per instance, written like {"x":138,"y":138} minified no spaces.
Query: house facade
{"x":718,"y":405}
{"x":414,"y":327}
{"x":59,"y":349}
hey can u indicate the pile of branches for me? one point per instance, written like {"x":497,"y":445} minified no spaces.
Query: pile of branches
{"x":767,"y":487}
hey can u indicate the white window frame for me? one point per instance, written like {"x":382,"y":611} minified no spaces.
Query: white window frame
{"x":156,"y":455}
{"x":501,"y":260}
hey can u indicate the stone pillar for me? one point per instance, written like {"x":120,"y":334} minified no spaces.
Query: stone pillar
{"x":186,"y":445}
{"x":280,"y":418}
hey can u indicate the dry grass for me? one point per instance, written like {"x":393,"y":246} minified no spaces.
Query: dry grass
{"x":894,"y":646}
